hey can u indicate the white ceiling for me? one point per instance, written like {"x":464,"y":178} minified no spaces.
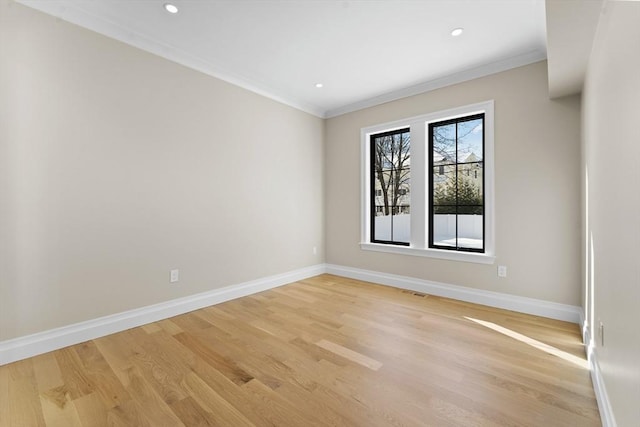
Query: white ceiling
{"x":364,"y":52}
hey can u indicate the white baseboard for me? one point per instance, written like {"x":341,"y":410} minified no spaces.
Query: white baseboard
{"x":604,"y":404}
{"x":43,"y":342}
{"x":537,"y":307}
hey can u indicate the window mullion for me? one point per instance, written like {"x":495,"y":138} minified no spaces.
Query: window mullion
{"x":457,"y":189}
{"x":419,"y":203}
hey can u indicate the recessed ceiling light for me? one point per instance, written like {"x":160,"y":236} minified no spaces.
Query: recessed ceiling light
{"x":456,"y":32}
{"x":171,"y":8}
{"x":319,"y":85}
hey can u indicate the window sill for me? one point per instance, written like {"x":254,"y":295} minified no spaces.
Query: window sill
{"x":430,"y":253}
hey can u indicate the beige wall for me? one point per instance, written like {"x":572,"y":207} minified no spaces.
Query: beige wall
{"x":537,"y":157}
{"x":611,"y":149}
{"x":117,"y":166}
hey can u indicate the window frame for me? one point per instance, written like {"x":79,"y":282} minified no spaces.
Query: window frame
{"x":430,"y":167}
{"x":374,"y":192}
{"x":419,"y":241}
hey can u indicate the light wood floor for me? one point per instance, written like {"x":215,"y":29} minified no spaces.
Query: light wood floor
{"x":323,"y":351}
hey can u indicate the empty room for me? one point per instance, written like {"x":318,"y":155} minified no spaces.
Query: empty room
{"x":319,"y":213}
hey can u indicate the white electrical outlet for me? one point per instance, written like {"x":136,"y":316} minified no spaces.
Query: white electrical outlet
{"x":315,"y":250}
{"x":175,"y":276}
{"x":502,"y":271}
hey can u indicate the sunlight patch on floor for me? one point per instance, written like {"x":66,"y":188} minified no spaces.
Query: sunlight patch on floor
{"x":582,"y":363}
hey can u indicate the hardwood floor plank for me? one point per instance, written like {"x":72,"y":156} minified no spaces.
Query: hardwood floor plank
{"x":47,"y":372}
{"x":58,"y":409}
{"x":273,"y":329}
{"x":223,"y":364}
{"x":159,"y":365}
{"x":216,"y":406}
{"x":91,"y":410}
{"x":99,"y":372}
{"x":155,"y":409}
{"x":75,"y":377}
{"x":192,"y":414}
{"x":360,"y":359}
{"x":191,"y":322}
{"x":151,"y":328}
{"x":4,"y":396}
{"x":170,"y":327}
{"x":322,"y":351}
{"x":24,"y":408}
{"x":118,"y":351}
{"x":349,"y":407}
{"x":296,"y":396}
{"x":280,"y":411}
{"x":128,"y":414}
{"x":232,"y":393}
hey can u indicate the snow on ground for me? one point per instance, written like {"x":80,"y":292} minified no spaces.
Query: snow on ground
{"x":462,"y":242}
{"x":469,"y":229}
{"x":401,"y":228}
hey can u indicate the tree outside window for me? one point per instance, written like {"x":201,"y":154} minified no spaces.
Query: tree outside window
{"x":391,"y":181}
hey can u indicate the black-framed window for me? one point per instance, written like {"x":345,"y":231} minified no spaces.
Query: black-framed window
{"x":457,"y":197}
{"x":390,"y":184}
{"x":456,"y":185}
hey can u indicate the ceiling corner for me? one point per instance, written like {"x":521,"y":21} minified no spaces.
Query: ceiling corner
{"x":571,"y":27}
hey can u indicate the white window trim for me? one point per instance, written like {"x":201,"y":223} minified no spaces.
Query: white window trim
{"x":419,"y":186}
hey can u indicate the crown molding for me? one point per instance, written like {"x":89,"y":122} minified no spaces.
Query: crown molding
{"x":74,"y":14}
{"x":451,"y":79}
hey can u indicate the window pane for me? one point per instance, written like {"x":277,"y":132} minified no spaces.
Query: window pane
{"x":469,"y":210}
{"x":382,"y":204}
{"x":401,"y":230}
{"x":444,"y":229}
{"x":382,"y":194}
{"x":444,"y":144}
{"x":402,"y":187}
{"x":469,"y":188}
{"x":401,"y":206}
{"x":470,"y":231}
{"x":470,"y":136}
{"x":444,"y":185}
{"x":382,"y":228}
{"x":441,"y":210}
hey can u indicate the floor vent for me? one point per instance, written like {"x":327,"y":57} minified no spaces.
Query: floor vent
{"x":418,"y":294}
